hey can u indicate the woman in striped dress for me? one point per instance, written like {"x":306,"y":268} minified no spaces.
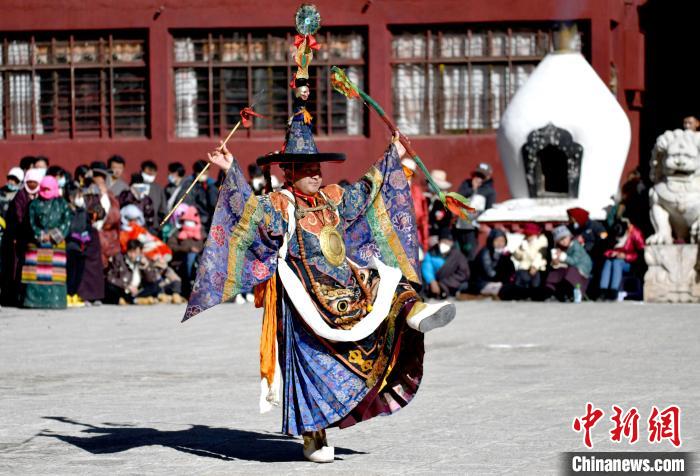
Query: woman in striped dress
{"x":44,"y":271}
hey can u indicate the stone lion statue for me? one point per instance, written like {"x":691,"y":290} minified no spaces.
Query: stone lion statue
{"x":675,"y":197}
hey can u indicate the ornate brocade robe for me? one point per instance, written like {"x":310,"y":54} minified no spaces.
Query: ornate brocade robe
{"x":335,"y":368}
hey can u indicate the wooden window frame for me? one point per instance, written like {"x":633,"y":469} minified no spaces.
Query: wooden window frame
{"x":323,"y":119}
{"x":543,"y":45}
{"x":105,"y":65}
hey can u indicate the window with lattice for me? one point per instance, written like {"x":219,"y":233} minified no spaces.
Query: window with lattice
{"x":73,"y":85}
{"x":450,"y":80}
{"x":217,"y":74}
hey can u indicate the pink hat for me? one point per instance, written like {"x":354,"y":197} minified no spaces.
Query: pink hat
{"x":48,"y":188}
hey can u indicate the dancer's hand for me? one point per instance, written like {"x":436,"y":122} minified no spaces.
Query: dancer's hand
{"x":400,"y":149}
{"x":221,"y":157}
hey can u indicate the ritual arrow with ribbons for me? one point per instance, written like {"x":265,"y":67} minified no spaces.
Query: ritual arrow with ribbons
{"x":247,"y":113}
{"x":456,"y":203}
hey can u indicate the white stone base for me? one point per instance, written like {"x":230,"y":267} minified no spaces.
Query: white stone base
{"x":673,"y":275}
{"x":536,"y":210}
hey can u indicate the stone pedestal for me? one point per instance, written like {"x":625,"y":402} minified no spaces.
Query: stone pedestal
{"x":673,"y":275}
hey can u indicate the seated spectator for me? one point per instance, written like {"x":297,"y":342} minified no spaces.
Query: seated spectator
{"x":530,"y":257}
{"x":571,"y":266}
{"x":620,"y":258}
{"x":493,"y":269}
{"x":169,"y":283}
{"x":445,"y":269}
{"x":186,"y":242}
{"x":137,"y":194}
{"x":130,"y":278}
{"x":590,"y":233}
{"x":132,"y":229}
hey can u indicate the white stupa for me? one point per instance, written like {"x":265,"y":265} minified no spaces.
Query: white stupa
{"x":563,"y":142}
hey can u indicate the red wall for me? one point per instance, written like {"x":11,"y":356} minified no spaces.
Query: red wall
{"x":622,"y":45}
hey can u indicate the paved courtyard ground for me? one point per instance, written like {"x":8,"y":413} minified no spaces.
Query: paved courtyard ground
{"x":130,"y":390}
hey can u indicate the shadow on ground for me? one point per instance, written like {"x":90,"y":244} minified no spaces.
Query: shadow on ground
{"x":200,"y":440}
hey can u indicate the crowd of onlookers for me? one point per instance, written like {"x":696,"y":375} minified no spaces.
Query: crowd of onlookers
{"x":579,"y":259}
{"x":95,"y":236}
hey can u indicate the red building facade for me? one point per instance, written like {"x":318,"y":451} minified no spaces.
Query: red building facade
{"x":163,"y":82}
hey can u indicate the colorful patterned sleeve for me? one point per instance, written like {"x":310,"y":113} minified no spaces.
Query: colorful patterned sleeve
{"x":379,"y":217}
{"x":241,"y":249}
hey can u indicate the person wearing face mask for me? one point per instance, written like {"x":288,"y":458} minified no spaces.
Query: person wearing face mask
{"x":137,"y":195}
{"x":10,"y":189}
{"x":60,"y":174}
{"x":445,"y":269}
{"x":44,"y":270}
{"x":79,"y":237}
{"x":177,"y":184}
{"x":17,"y":235}
{"x":149,"y":172}
{"x":493,"y":268}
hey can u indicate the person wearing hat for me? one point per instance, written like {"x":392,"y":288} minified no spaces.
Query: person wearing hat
{"x":482,"y":195}
{"x":17,"y":235}
{"x":571,"y":265}
{"x":590,"y":232}
{"x":10,"y":189}
{"x":530,"y":257}
{"x":44,"y":269}
{"x":108,"y":225}
{"x":343,"y":327}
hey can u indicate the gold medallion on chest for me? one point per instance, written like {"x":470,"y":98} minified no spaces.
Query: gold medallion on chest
{"x":332,"y":245}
